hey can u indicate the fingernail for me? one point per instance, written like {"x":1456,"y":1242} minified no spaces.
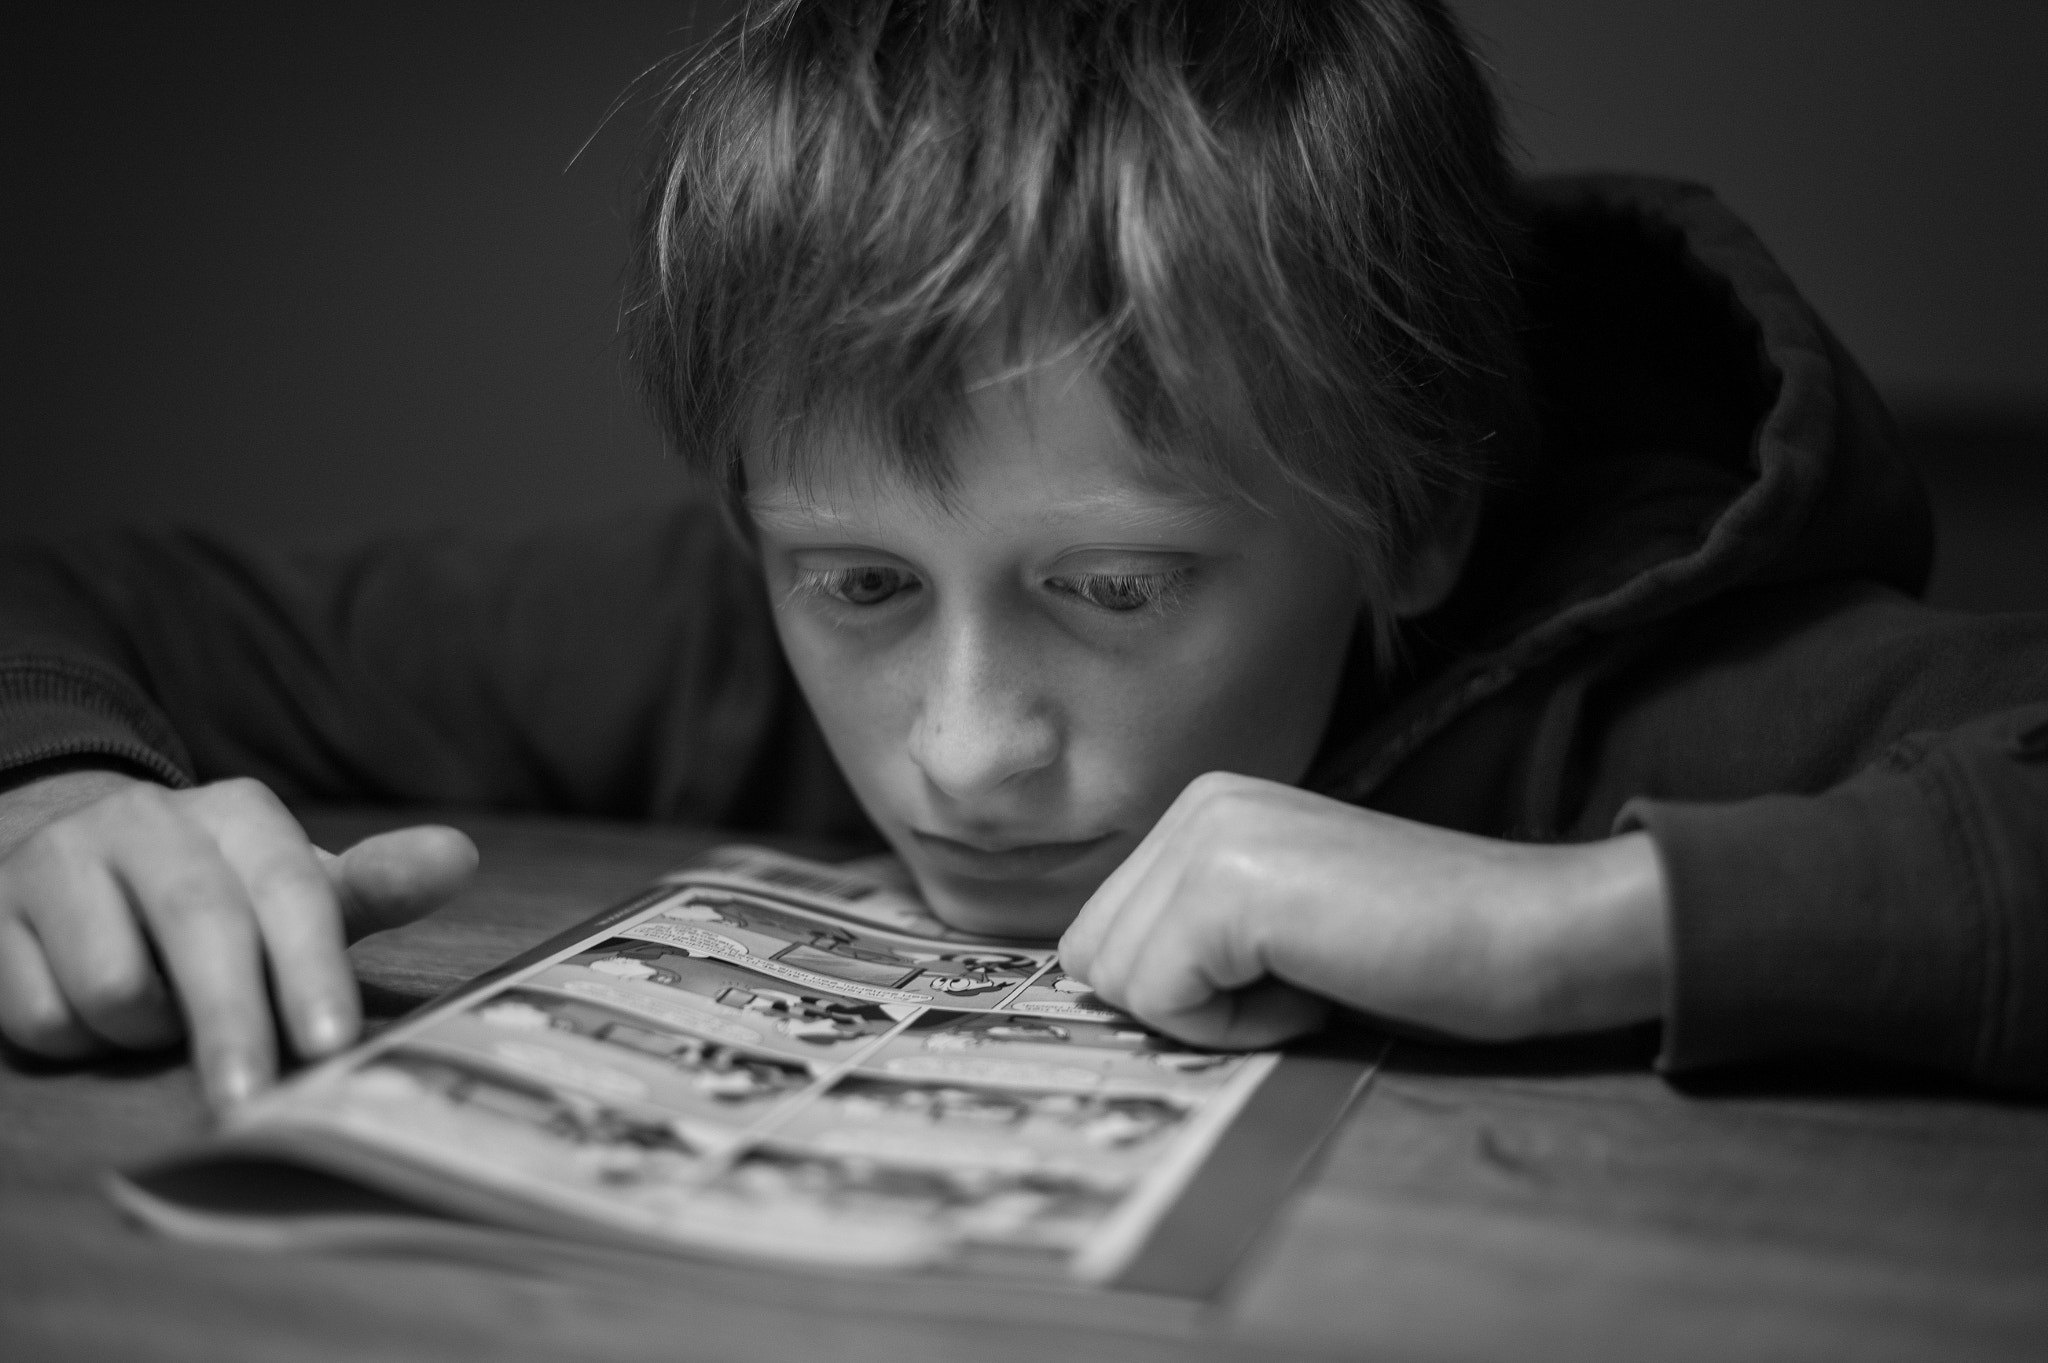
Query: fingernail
{"x":234,"y":1083}
{"x":326,"y":1033}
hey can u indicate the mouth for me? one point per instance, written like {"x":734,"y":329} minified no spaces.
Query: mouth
{"x":1005,"y":861}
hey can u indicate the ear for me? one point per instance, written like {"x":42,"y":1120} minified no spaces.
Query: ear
{"x":1438,"y":562}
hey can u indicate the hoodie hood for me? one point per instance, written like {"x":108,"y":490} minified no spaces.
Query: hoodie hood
{"x":1702,"y":430}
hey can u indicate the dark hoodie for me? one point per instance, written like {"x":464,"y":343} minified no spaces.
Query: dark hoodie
{"x":1693,"y":614}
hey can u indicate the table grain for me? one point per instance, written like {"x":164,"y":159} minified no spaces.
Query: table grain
{"x":1532,"y":1203}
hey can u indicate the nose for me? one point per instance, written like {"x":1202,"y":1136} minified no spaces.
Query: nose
{"x":981,"y":723}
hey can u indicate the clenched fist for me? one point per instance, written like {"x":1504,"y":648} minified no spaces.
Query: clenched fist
{"x":1252,"y":904}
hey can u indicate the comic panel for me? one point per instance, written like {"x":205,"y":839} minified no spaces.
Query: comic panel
{"x":876,"y":1214}
{"x":530,"y":1135}
{"x":1107,"y":1138}
{"x":1056,"y":994}
{"x":873,"y":890}
{"x":722,"y":1001}
{"x":816,"y":952}
{"x":1029,"y":1052}
{"x":713,"y":1088}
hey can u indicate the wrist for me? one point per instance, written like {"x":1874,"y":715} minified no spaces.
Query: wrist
{"x":1606,"y":954}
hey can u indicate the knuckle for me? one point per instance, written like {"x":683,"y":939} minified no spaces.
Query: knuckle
{"x":144,"y":799}
{"x":142,"y":808}
{"x":1211,"y":786}
{"x":279,"y":873}
{"x":1218,"y":800}
{"x":66,"y":840}
{"x":294,"y":900}
{"x":243,"y":792}
{"x":44,"y":869}
{"x":110,"y":993}
{"x":45,"y":1029}
{"x":187,"y":894}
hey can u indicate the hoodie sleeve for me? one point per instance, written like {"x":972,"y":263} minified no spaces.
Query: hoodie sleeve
{"x":1902,"y":915}
{"x":1871,"y":874}
{"x":627,"y":669}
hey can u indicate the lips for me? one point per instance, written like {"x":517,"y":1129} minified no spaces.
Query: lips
{"x":1001,"y":861}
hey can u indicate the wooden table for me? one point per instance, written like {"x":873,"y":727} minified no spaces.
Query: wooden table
{"x":1553,"y":1202}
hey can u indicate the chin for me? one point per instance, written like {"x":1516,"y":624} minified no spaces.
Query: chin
{"x":1018,"y":909}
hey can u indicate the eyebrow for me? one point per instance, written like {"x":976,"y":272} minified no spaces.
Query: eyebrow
{"x":1163,"y":512}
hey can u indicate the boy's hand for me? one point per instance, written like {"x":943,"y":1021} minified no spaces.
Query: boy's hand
{"x":132,"y":915}
{"x":1250,"y":903}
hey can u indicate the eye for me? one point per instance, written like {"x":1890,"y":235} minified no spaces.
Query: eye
{"x":1123,"y":593}
{"x":869,"y":584}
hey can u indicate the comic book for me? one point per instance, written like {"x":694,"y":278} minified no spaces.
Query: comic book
{"x":782,"y":1060}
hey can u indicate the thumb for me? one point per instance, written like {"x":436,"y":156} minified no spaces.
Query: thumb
{"x":1257,"y":1016}
{"x":390,"y":879}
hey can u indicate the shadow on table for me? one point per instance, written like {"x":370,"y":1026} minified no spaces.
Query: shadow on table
{"x":1845,"y":1077}
{"x":1634,"y":1050}
{"x":116,"y":1065}
{"x":382,"y":1004}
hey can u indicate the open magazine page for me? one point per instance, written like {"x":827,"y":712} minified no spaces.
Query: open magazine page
{"x":774,"y":1058}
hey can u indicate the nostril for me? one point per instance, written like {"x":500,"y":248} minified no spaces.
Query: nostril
{"x":969,"y":754}
{"x":982,"y":721}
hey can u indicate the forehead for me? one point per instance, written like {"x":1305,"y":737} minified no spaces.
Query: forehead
{"x":1039,"y":439}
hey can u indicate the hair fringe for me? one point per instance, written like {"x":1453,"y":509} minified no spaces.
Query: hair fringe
{"x":1280,"y":231}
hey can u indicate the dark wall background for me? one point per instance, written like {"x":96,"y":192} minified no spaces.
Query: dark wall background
{"x":310,"y":271}
{"x":1895,"y":157}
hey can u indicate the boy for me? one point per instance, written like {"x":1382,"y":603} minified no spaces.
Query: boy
{"x":1192,"y":502}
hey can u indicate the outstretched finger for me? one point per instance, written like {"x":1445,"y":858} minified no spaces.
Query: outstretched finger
{"x":205,"y":930}
{"x":296,"y":912}
{"x":33,"y":1013}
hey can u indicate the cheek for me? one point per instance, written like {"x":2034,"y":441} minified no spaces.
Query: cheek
{"x":1279,"y":702}
{"x":1247,"y":689}
{"x":860,"y":709}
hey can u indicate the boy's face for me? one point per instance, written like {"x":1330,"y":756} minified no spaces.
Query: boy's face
{"x":1019,"y":681}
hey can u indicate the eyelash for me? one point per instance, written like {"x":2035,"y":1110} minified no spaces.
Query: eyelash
{"x":1145,"y":592}
{"x":1115,"y":593}
{"x":833,"y":584}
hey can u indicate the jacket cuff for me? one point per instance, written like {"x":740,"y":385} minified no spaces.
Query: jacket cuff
{"x":60,"y":711}
{"x":1851,"y":921}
